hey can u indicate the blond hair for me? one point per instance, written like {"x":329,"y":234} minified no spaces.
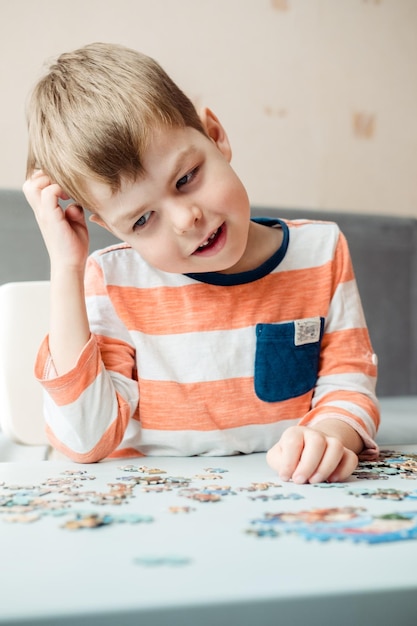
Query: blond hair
{"x":89,"y":117}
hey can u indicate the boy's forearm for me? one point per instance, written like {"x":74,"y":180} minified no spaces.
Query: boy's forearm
{"x":341,"y":430}
{"x":69,"y":329}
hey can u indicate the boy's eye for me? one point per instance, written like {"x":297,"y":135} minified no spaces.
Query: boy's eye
{"x":142,"y":221}
{"x":184,"y":180}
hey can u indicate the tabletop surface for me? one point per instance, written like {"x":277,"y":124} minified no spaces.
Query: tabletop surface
{"x":170,"y":539}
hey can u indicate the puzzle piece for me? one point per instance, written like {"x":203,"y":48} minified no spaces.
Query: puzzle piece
{"x":277,"y":496}
{"x":259,"y":486}
{"x":170,"y":560}
{"x":141,"y":469}
{"x":180,"y":509}
{"x":94,"y":520}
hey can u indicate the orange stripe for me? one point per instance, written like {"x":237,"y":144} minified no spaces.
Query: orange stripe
{"x":125,"y":453}
{"x":350,"y":396}
{"x":67,"y":389}
{"x":351,"y":351}
{"x":294,"y":294}
{"x":94,"y":280}
{"x":232,"y":403}
{"x":118,"y":356}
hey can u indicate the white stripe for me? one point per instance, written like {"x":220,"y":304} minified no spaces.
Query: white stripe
{"x":355,"y":382}
{"x":196,"y":357}
{"x":124,"y":267}
{"x":244,"y":439}
{"x":310,"y":241}
{"x":345,"y":309}
{"x":357,"y":411}
{"x":104,"y":321}
{"x":74,"y":423}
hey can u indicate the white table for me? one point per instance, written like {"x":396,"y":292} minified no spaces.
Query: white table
{"x":54,"y":576}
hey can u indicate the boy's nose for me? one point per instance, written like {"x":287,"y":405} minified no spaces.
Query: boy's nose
{"x":184,"y":218}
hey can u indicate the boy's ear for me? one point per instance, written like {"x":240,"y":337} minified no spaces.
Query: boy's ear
{"x":216,"y":132}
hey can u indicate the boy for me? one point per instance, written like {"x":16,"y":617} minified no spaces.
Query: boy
{"x":204,"y":332}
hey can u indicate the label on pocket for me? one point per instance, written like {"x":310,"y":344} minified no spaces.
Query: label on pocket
{"x":307,"y":331}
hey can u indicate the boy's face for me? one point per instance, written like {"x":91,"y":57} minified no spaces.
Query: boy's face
{"x":188,"y":212}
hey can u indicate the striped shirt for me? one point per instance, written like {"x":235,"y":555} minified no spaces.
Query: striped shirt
{"x":215,"y":364}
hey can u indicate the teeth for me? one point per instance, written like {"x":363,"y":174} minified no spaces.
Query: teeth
{"x":209,"y":240}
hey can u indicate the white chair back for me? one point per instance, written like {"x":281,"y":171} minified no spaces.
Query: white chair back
{"x":24,"y":317}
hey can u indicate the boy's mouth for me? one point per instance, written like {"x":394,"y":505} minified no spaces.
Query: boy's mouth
{"x":210,"y":242}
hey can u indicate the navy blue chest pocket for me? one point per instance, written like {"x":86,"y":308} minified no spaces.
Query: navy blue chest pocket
{"x":287,"y":358}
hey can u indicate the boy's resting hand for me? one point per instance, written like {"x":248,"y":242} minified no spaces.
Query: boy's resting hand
{"x":327,"y":452}
{"x":64,"y":231}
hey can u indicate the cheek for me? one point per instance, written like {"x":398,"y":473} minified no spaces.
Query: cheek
{"x":234,"y":194}
{"x":159,"y":254}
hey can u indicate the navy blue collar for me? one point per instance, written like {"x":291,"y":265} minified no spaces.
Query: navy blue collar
{"x":216,"y":278}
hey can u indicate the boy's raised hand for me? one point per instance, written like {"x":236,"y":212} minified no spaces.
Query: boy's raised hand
{"x":66,"y":238}
{"x":309,"y":455}
{"x":64,"y":231}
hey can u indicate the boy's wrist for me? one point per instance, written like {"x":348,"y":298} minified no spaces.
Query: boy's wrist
{"x":349,"y":437}
{"x":66,"y":272}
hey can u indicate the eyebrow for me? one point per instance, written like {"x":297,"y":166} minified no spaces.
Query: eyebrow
{"x":178,"y":165}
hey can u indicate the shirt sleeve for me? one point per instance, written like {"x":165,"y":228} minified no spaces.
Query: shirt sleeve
{"x":88,"y":409}
{"x":345,"y":387}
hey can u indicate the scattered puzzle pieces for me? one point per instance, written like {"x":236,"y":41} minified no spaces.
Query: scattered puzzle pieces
{"x":384,"y":494}
{"x":341,"y":523}
{"x":389,"y":463}
{"x":70,"y":496}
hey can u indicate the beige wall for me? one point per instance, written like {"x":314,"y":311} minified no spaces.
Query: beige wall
{"x":319,"y":97}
